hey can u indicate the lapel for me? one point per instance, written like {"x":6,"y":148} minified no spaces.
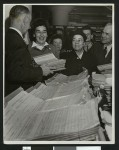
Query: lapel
{"x":108,"y":59}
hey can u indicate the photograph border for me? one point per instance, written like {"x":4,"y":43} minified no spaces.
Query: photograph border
{"x":113,"y":76}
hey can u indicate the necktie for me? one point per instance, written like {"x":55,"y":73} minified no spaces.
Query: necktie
{"x":105,"y":51}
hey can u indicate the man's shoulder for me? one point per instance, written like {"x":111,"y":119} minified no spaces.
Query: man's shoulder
{"x":98,"y":44}
{"x":11,"y":31}
{"x":13,"y":42}
{"x":12,"y":35}
{"x":97,"y":47}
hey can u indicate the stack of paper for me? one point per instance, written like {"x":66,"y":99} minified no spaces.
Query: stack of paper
{"x":59,"y":64}
{"x":41,"y":59}
{"x":46,"y":92}
{"x":18,"y":113}
{"x":60,"y":78}
{"x":60,"y":90}
{"x":64,"y":111}
{"x":24,"y":101}
{"x":71,"y":88}
{"x":106,"y":68}
{"x":51,"y":61}
{"x":56,"y":103}
{"x":68,"y":123}
{"x":100,"y":81}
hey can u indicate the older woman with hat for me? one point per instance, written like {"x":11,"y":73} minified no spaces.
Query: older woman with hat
{"x":78,"y":58}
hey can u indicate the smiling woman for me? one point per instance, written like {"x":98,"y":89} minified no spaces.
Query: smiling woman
{"x":40,"y":35}
{"x":39,"y":45}
{"x":78,"y":43}
{"x":77,"y":58}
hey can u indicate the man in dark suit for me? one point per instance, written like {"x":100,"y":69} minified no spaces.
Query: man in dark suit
{"x":20,"y":69}
{"x":103,"y":54}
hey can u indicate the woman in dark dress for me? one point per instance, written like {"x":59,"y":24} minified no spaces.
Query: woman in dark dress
{"x":77,"y":58}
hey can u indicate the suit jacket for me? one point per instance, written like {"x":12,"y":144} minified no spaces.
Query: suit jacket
{"x":19,"y":68}
{"x":99,"y":56}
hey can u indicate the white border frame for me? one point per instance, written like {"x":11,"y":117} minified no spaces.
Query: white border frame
{"x":113,"y":77}
{"x":81,"y":147}
{"x":88,"y":147}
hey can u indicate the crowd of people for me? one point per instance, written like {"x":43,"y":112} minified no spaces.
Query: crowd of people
{"x":81,"y":53}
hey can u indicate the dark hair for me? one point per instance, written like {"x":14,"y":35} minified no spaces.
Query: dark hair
{"x":59,"y":29}
{"x":87,"y":27}
{"x":56,"y":36}
{"x":18,"y":10}
{"x":39,"y":22}
{"x":78,"y":32}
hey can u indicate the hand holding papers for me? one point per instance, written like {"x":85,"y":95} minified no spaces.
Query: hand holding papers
{"x":46,"y":70}
{"x":50,"y":61}
{"x":43,"y":59}
{"x":105,"y":69}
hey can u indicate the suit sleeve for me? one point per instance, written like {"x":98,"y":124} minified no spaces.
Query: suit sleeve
{"x":19,"y":64}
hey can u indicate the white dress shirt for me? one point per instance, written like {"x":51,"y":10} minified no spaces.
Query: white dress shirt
{"x":34,"y":44}
{"x":79,"y":56}
{"x":108,"y":49}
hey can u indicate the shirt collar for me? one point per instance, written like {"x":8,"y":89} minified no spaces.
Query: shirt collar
{"x":108,"y":49}
{"x":17,"y":31}
{"x":79,"y":56}
{"x":34,"y":44}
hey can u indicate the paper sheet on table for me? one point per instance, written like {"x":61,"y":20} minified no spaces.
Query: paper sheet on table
{"x":71,"y":122}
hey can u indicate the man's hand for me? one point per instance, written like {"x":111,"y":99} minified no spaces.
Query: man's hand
{"x":46,"y":70}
